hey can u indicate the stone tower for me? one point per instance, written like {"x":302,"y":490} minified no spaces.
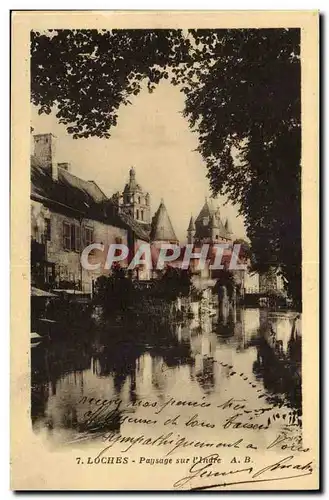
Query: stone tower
{"x":208,"y":227}
{"x":135,"y":201}
{"x":162,"y":229}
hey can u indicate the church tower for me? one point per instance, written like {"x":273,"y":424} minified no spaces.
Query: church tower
{"x":135,"y":201}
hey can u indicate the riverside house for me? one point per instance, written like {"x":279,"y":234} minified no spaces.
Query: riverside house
{"x":67,"y":214}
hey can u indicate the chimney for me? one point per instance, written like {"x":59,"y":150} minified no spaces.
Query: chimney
{"x":45,"y":152}
{"x":65,"y":166}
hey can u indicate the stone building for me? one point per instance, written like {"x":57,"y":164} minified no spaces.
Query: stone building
{"x":209,"y":228}
{"x":67,"y":214}
{"x":134,"y":201}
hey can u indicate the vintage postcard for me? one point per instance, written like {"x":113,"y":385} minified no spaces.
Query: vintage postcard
{"x":164,"y":236}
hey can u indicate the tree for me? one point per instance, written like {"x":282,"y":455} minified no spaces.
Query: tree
{"x":115,"y":292}
{"x":174,"y":283}
{"x":246,"y":108}
{"x":242,"y":92}
{"x":245,"y":250}
{"x":88,"y":74}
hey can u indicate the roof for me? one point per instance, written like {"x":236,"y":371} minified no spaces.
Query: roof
{"x":83,"y":197}
{"x":132,"y":185}
{"x":138,"y":229}
{"x":206,"y":211}
{"x":95,"y":190}
{"x":203,"y":230}
{"x":162,"y":228}
{"x":191,"y":225}
{"x":68,"y":190}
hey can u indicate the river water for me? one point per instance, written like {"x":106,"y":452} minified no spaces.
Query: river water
{"x":251,"y":356}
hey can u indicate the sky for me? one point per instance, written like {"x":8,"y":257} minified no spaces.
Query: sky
{"x":154,"y":137}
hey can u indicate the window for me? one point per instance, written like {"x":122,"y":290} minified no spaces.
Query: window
{"x":47,"y":230}
{"x":73,"y":233}
{"x":139,"y":199}
{"x":71,"y":236}
{"x":66,"y":236}
{"x":142,"y":215}
{"x":77,"y":238}
{"x":89,"y":236}
{"x":137,"y":214}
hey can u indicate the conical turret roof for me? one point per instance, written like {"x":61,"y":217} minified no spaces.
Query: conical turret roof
{"x":191,"y":226}
{"x":206,"y":211}
{"x":208,"y":219}
{"x":162,"y":229}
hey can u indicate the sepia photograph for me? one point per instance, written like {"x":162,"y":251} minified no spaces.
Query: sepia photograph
{"x":165,"y":257}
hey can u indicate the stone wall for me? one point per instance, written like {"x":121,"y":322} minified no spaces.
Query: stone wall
{"x":67,"y":262}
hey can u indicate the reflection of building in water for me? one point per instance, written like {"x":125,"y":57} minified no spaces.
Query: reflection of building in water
{"x":120,"y":362}
{"x":194,"y":357}
{"x":144,"y":374}
{"x":251,"y":322}
{"x":62,"y":406}
{"x":203,"y":348}
{"x":178,"y":332}
{"x":238,"y":326}
{"x":226,"y":322}
{"x":49,"y":370}
{"x":203,"y":344}
{"x":206,"y":324}
{"x":158,"y":374}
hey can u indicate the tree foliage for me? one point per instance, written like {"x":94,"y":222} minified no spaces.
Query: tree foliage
{"x":88,"y":74}
{"x":247,"y":111}
{"x":242,"y":90}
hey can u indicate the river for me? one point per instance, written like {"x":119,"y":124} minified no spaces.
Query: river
{"x":251,"y":355}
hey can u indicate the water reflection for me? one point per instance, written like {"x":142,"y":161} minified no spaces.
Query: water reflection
{"x":249,"y":352}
